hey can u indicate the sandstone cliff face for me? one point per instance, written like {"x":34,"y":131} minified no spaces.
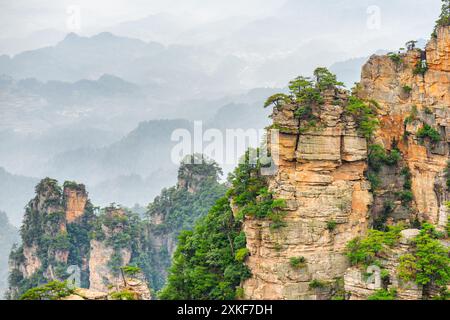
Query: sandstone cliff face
{"x":358,"y":287}
{"x":64,"y":236}
{"x":386,"y":82}
{"x":46,"y":249}
{"x":409,"y":101}
{"x":321,"y":176}
{"x":75,"y":199}
{"x":101,"y":275}
{"x":63,"y":239}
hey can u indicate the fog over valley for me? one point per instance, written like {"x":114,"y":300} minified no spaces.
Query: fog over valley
{"x":97,"y":102}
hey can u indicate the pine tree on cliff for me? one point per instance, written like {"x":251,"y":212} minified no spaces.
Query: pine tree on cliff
{"x":444,"y":17}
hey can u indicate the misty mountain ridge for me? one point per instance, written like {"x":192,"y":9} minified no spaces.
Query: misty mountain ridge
{"x":9,"y":235}
{"x":70,"y":93}
{"x":148,"y":64}
{"x":68,"y":104}
{"x":16,"y":190}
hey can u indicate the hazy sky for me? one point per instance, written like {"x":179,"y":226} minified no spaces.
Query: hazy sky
{"x":18,"y":18}
{"x":21,"y":17}
{"x":274,"y":37}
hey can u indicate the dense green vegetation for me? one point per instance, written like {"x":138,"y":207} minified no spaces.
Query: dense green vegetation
{"x":42,"y":229}
{"x":396,"y":58}
{"x":364,"y":251}
{"x":306,"y":94}
{"x":379,"y":157}
{"x":407,"y":89}
{"x":180,"y":208}
{"x":125,"y":231}
{"x":250,"y":194}
{"x":204,"y":265}
{"x":53,"y":290}
{"x":429,"y":264}
{"x":364,"y":115}
{"x":45,"y":228}
{"x":209,"y":261}
{"x":123,"y":295}
{"x":429,"y":132}
{"x":331,"y":225}
{"x":420,"y":68}
{"x":383,"y":294}
{"x":277,"y":99}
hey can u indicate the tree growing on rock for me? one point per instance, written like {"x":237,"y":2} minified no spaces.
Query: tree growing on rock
{"x":304,"y":91}
{"x":444,"y":17}
{"x":411,"y":45}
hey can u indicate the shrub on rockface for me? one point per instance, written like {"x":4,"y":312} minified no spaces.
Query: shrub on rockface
{"x":250,"y":192}
{"x":429,"y":263}
{"x":364,"y":251}
{"x":429,"y":132}
{"x":420,"y":68}
{"x":383,"y":294}
{"x":123,"y":295}
{"x":297,"y":262}
{"x":396,"y":58}
{"x":53,"y":290}
{"x":379,"y":157}
{"x":364,"y":114}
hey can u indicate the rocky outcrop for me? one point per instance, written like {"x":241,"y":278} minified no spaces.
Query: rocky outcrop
{"x":75,"y":199}
{"x":66,"y":238}
{"x":321,"y":176}
{"x":102,"y":276}
{"x":127,"y":289}
{"x":322,"y":170}
{"x":63,"y":239}
{"x":408,"y":100}
{"x":52,"y":220}
{"x":359,"y":284}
